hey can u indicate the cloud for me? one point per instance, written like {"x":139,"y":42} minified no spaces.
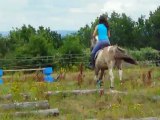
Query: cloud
{"x":12,"y":5}
{"x":133,"y":8}
{"x":66,"y":14}
{"x":91,"y":8}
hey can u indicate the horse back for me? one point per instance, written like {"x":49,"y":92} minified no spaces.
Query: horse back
{"x":102,"y":59}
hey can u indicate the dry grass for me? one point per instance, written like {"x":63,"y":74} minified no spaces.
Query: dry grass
{"x":137,"y":103}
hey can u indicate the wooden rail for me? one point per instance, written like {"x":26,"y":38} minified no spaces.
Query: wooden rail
{"x":17,"y":70}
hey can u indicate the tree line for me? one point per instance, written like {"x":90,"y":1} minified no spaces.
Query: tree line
{"x":30,"y":42}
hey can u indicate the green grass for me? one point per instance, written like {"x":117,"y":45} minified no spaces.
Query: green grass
{"x":136,"y":104}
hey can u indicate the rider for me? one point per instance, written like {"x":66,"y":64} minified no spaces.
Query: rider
{"x":103,"y":32}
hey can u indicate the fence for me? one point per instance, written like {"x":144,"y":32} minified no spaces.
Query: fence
{"x":56,"y":61}
{"x":43,"y":61}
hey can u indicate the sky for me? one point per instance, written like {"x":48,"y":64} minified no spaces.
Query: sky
{"x":67,"y":14}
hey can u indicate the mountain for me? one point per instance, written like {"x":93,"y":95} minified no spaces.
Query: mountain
{"x":62,"y":32}
{"x":4,"y":33}
{"x":66,"y":32}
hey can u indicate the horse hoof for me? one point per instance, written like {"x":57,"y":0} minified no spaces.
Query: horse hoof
{"x":99,"y":83}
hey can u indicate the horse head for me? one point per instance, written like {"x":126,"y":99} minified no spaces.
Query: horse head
{"x":94,"y":40}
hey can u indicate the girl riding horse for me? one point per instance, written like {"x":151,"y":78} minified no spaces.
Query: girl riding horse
{"x":103,"y":32}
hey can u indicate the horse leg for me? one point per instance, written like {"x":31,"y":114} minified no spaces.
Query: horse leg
{"x":119,"y":65}
{"x":101,"y":75}
{"x":111,"y":78}
{"x":111,"y":74}
{"x":96,"y":74}
{"x":100,"y":78}
{"x":120,"y":74}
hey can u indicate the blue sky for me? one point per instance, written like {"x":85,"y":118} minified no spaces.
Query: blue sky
{"x":67,"y":14}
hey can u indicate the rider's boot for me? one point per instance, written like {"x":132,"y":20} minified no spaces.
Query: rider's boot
{"x":92,"y":63}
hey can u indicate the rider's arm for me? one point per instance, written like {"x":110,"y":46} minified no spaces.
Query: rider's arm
{"x":95,"y":32}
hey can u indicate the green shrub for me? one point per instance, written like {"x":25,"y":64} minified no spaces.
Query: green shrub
{"x":143,"y":54}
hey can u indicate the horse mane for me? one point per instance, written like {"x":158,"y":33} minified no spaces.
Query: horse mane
{"x":120,"y":49}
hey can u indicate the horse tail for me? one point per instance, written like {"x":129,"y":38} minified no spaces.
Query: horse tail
{"x":121,"y":54}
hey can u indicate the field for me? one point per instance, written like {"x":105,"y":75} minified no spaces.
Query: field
{"x":141,"y":83}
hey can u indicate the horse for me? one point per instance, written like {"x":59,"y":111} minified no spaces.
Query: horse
{"x":108,"y":58}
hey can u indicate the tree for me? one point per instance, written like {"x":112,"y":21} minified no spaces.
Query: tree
{"x":3,"y":46}
{"x":84,"y":35}
{"x":140,"y":34}
{"x":71,"y":50}
{"x":121,"y":28}
{"x":51,"y":36}
{"x":71,"y":45}
{"x":27,"y":41}
{"x":155,"y":28}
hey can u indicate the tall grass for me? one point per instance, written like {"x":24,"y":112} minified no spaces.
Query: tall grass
{"x":136,"y":104}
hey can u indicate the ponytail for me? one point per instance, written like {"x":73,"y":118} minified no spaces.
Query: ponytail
{"x":106,"y":24}
{"x":103,"y":20}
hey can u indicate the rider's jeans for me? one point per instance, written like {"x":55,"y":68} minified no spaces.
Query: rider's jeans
{"x":98,"y":46}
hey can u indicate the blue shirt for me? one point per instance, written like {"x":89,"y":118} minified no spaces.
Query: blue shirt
{"x":102,"y":32}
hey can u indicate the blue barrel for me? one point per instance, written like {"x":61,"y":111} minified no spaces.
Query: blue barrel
{"x":47,"y":74}
{"x":1,"y":81}
{"x":1,"y":72}
{"x":49,"y":78}
{"x":48,"y":71}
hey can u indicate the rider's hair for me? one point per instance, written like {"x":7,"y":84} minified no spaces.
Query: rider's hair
{"x":103,"y":20}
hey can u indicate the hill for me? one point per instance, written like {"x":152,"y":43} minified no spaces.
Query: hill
{"x":62,"y":32}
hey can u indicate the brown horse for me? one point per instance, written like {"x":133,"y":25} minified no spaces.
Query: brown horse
{"x":108,"y":58}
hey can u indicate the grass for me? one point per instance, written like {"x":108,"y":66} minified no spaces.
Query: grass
{"x":137,"y":103}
